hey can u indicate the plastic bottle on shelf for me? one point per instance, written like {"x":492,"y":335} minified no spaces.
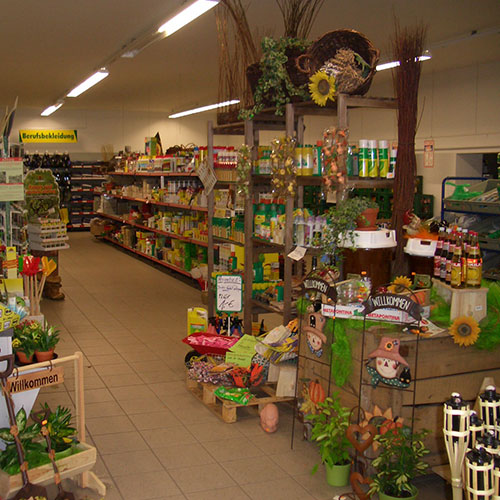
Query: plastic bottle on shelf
{"x":363,"y":158}
{"x":307,"y":160}
{"x":318,"y":158}
{"x":383,"y":158}
{"x":456,"y":271}
{"x":449,"y":257}
{"x":372,"y":159}
{"x":392,"y":164}
{"x":299,"y":160}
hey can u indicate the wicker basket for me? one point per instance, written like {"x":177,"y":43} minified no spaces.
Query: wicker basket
{"x":325,"y":48}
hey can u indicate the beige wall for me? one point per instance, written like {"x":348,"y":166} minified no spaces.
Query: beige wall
{"x":460,"y":111}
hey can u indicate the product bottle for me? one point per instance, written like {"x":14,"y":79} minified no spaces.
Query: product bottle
{"x":363,"y":158}
{"x":299,"y":160}
{"x":474,"y":263}
{"x":318,"y":159}
{"x":438,"y":253}
{"x":300,"y":229}
{"x":383,"y":158}
{"x":456,"y":264}
{"x":444,"y":254}
{"x":366,"y":281}
{"x":372,"y":159}
{"x":307,"y":160}
{"x":392,"y":164}
{"x":233,"y":262}
{"x":259,"y":219}
{"x":449,"y":257}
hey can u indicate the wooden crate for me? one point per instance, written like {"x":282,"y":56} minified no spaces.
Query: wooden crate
{"x":227,"y":410}
{"x":44,"y":474}
{"x":463,"y":301}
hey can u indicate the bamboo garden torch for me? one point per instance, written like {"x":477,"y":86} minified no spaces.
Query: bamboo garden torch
{"x":456,"y":438}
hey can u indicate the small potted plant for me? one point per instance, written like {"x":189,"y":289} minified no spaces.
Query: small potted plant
{"x":46,"y":339}
{"x":354,"y":214}
{"x":24,"y":341}
{"x":62,"y":433}
{"x":399,"y":461}
{"x":329,"y":431}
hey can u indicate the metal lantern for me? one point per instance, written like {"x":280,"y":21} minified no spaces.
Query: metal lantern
{"x":489,"y":442}
{"x":476,"y":428}
{"x":479,"y":473}
{"x":496,"y":478}
{"x":456,"y":438}
{"x":489,"y":405}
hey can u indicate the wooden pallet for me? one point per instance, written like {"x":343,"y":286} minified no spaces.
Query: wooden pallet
{"x":225,"y":409}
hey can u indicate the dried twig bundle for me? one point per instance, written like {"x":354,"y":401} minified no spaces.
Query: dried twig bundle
{"x":407,"y":45}
{"x":299,"y":16}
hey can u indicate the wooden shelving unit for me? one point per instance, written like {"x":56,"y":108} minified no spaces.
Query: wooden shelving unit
{"x":293,"y":125}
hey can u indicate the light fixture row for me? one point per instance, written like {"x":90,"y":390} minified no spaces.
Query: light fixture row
{"x":187,"y":15}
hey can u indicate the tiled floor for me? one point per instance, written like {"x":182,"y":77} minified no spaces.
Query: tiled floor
{"x":154,"y":439}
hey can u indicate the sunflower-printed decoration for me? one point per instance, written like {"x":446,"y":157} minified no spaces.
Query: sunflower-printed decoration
{"x":322,"y":87}
{"x":400,"y":284}
{"x":465,"y":331}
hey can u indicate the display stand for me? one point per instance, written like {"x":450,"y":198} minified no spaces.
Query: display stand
{"x":313,"y":362}
{"x":411,"y":314}
{"x":78,"y":464}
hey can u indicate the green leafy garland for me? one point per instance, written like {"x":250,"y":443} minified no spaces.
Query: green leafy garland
{"x":274,"y":84}
{"x":244,"y":170}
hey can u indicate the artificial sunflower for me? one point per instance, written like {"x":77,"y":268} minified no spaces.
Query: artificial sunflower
{"x":322,"y":87}
{"x":465,"y":330}
{"x":400,"y":284}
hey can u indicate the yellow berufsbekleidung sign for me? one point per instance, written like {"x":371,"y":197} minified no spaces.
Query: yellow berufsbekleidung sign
{"x":48,"y":136}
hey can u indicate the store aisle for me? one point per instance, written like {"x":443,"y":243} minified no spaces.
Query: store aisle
{"x":154,"y":439}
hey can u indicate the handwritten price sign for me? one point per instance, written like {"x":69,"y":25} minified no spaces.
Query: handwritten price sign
{"x":229,"y":294}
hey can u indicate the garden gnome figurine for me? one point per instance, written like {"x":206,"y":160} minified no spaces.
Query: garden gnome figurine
{"x":269,"y":418}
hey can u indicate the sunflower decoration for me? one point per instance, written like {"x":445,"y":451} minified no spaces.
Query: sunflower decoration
{"x":400,"y":284}
{"x":465,"y":331}
{"x":322,"y":87}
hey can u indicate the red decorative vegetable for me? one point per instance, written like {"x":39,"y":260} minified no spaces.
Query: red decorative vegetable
{"x":316,"y":392}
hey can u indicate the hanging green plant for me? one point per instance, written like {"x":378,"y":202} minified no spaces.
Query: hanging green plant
{"x":244,"y":170}
{"x":341,"y":356}
{"x":284,"y":174}
{"x":274,"y":87}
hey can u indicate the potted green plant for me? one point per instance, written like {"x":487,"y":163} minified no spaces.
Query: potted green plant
{"x":329,"y":431}
{"x":24,"y":340}
{"x":33,"y":450}
{"x":351,"y":215}
{"x":62,"y":433}
{"x":46,"y":339}
{"x":399,"y":461}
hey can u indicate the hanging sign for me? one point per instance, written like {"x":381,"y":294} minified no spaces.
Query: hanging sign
{"x":30,"y":135}
{"x":393,"y":301}
{"x":229,"y":293}
{"x":207,"y":176}
{"x":36,"y":380}
{"x":42,"y":194}
{"x":321,"y":286}
{"x":11,"y":179}
{"x":429,"y":154}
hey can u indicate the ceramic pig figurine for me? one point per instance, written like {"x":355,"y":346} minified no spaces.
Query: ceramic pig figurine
{"x":269,"y":418}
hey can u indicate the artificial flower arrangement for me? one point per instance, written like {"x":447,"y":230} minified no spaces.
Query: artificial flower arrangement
{"x":32,"y":338}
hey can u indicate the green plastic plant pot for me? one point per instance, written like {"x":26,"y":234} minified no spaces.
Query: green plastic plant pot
{"x":338,"y":475}
{"x":384,"y":496}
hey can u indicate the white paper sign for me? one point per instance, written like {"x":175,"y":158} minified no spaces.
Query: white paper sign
{"x":229,"y":293}
{"x":297,"y":253}
{"x":207,"y":176}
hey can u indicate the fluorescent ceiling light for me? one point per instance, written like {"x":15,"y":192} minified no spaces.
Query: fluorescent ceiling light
{"x":89,"y":82}
{"x":51,"y":109}
{"x":205,"y":108}
{"x":424,"y":57}
{"x":189,"y":14}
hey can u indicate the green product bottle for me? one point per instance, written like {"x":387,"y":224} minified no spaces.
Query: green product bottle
{"x":349,"y":162}
{"x":392,"y":164}
{"x":372,"y":159}
{"x":259,"y":219}
{"x":383,"y":158}
{"x":363,"y":158}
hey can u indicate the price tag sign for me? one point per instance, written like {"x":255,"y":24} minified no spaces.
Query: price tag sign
{"x":229,"y":293}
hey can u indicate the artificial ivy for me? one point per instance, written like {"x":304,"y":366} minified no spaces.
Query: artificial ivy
{"x":274,"y":84}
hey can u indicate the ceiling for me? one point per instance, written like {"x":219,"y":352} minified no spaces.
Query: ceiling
{"x":50,"y":46}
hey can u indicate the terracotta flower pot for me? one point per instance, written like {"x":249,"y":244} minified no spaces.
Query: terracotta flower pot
{"x":367,"y":221}
{"x":44,"y":355}
{"x":21,"y":356}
